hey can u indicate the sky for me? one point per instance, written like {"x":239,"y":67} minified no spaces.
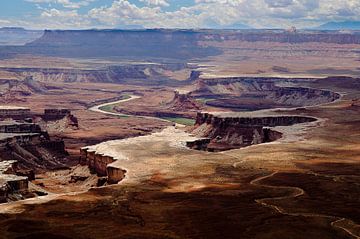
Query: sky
{"x":85,"y":14}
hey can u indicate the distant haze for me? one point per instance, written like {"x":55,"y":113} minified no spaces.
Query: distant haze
{"x":347,"y":25}
{"x":178,"y":45}
{"x":184,"y":14}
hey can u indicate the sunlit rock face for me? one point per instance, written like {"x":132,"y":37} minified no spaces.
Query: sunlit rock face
{"x":224,"y":133}
{"x":248,"y":93}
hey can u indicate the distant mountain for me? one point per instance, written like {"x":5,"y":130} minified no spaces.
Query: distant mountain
{"x":175,"y":44}
{"x":137,"y":44}
{"x":12,"y":29}
{"x":210,"y":24}
{"x":237,"y":26}
{"x":345,"y":25}
{"x":17,"y":36}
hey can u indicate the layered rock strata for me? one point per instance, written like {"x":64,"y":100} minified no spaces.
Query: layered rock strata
{"x":100,"y":164}
{"x":29,"y":148}
{"x":250,"y":93}
{"x":221,"y":133}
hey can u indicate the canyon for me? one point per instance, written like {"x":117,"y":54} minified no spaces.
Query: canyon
{"x":189,"y":134}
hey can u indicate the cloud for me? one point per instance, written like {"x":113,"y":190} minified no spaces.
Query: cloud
{"x":279,"y":3}
{"x":202,"y":13}
{"x":162,"y":3}
{"x":64,"y":3}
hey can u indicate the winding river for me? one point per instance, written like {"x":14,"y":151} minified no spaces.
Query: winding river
{"x":98,"y":109}
{"x":337,"y":222}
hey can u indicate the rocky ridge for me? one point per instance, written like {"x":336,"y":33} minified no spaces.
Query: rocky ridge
{"x":249,"y":93}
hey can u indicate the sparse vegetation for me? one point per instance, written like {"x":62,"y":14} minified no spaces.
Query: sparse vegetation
{"x":180,"y":120}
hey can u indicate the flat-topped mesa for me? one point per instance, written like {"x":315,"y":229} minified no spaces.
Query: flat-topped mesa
{"x":60,"y":114}
{"x":265,"y":121}
{"x":13,"y":112}
{"x":11,"y":127}
{"x":25,"y":114}
{"x":224,"y":133}
{"x":55,"y":114}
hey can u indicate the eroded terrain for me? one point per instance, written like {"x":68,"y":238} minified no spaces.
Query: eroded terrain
{"x":184,"y":151}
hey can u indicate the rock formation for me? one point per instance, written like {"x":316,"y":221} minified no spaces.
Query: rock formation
{"x":249,"y":93}
{"x":30,"y":146}
{"x":13,"y":36}
{"x":224,"y":133}
{"x":184,"y":102}
{"x":16,"y":113}
{"x":13,"y":90}
{"x":101,"y":165}
{"x":69,"y":120}
{"x":133,"y":74}
{"x":24,"y":150}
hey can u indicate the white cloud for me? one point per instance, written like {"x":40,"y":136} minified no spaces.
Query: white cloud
{"x":64,"y":3}
{"x":203,"y":13}
{"x":162,"y":3}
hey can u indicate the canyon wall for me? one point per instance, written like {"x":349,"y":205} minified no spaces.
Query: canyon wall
{"x":251,"y":93}
{"x":12,"y":187}
{"x":14,"y":90}
{"x":266,"y":121}
{"x":224,"y":133}
{"x":15,"y":113}
{"x":149,"y":74}
{"x":55,"y":114}
{"x":30,"y":146}
{"x":25,"y":115}
{"x":283,"y":36}
{"x":19,"y":128}
{"x":101,"y":165}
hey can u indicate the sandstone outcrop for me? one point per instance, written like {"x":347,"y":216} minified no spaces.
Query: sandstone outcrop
{"x":101,"y":165}
{"x":184,"y":102}
{"x":61,"y":118}
{"x":30,"y":146}
{"x":16,"y":113}
{"x":11,"y":185}
{"x":115,"y":174}
{"x":132,"y":74}
{"x":25,"y":149}
{"x":49,"y":115}
{"x":14,"y":90}
{"x":224,"y":133}
{"x":249,"y":93}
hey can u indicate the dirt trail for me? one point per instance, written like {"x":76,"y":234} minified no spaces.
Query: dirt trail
{"x":297,"y":192}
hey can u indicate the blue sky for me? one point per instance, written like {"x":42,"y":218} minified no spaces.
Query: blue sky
{"x":80,"y":14}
